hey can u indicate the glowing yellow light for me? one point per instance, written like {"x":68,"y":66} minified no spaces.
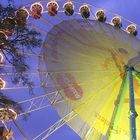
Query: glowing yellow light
{"x":2,"y":84}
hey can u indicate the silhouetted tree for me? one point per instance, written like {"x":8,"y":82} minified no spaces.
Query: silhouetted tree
{"x":21,"y":38}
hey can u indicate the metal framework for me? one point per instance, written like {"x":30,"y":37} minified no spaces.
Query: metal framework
{"x":56,"y":125}
{"x":40,"y":102}
{"x":44,"y":101}
{"x":132,"y":113}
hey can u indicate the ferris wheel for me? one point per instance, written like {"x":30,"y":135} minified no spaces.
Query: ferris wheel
{"x":87,"y":72}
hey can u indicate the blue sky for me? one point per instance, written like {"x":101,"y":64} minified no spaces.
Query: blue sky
{"x":40,"y":120}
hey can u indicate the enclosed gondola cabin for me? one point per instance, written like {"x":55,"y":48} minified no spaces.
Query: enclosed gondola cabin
{"x":69,"y":8}
{"x":52,"y":8}
{"x":85,"y":11}
{"x":116,"y":22}
{"x":131,"y":29}
{"x":36,"y":10}
{"x":3,"y":37}
{"x":100,"y":16}
{"x":4,"y":134}
{"x":21,"y":16}
{"x":2,"y":131}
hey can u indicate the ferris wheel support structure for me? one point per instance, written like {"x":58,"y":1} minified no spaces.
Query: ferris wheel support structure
{"x":132,"y":113}
{"x":47,"y":100}
{"x":118,"y":105}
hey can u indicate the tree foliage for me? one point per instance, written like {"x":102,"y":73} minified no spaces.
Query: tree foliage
{"x":23,"y":38}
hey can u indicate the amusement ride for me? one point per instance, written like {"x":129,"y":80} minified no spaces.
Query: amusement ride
{"x":87,"y":69}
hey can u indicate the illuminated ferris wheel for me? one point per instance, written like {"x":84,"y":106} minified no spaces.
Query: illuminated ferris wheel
{"x":87,"y":69}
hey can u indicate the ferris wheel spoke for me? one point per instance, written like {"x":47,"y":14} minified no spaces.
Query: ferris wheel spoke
{"x":39,"y":108}
{"x":34,"y":105}
{"x":45,"y":86}
{"x":82,"y":34}
{"x":11,"y":66}
{"x":65,"y":119}
{"x":75,"y":38}
{"x":35,"y":98}
{"x":54,"y":35}
{"x":63,"y":39}
{"x":37,"y":28}
{"x":56,"y":126}
{"x":6,"y":65}
{"x":77,"y":53}
{"x":41,"y":102}
{"x":5,"y":126}
{"x":67,"y":56}
{"x":84,"y":84}
{"x":46,"y":21}
{"x":21,"y":87}
{"x":15,"y":73}
{"x":88,"y":36}
{"x":32,"y":54}
{"x":59,"y":123}
{"x":92,"y":132}
{"x":87,"y":20}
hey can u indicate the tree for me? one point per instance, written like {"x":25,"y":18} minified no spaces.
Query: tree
{"x":16,"y":38}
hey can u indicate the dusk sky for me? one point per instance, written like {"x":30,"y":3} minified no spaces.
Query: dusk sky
{"x":40,"y":120}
